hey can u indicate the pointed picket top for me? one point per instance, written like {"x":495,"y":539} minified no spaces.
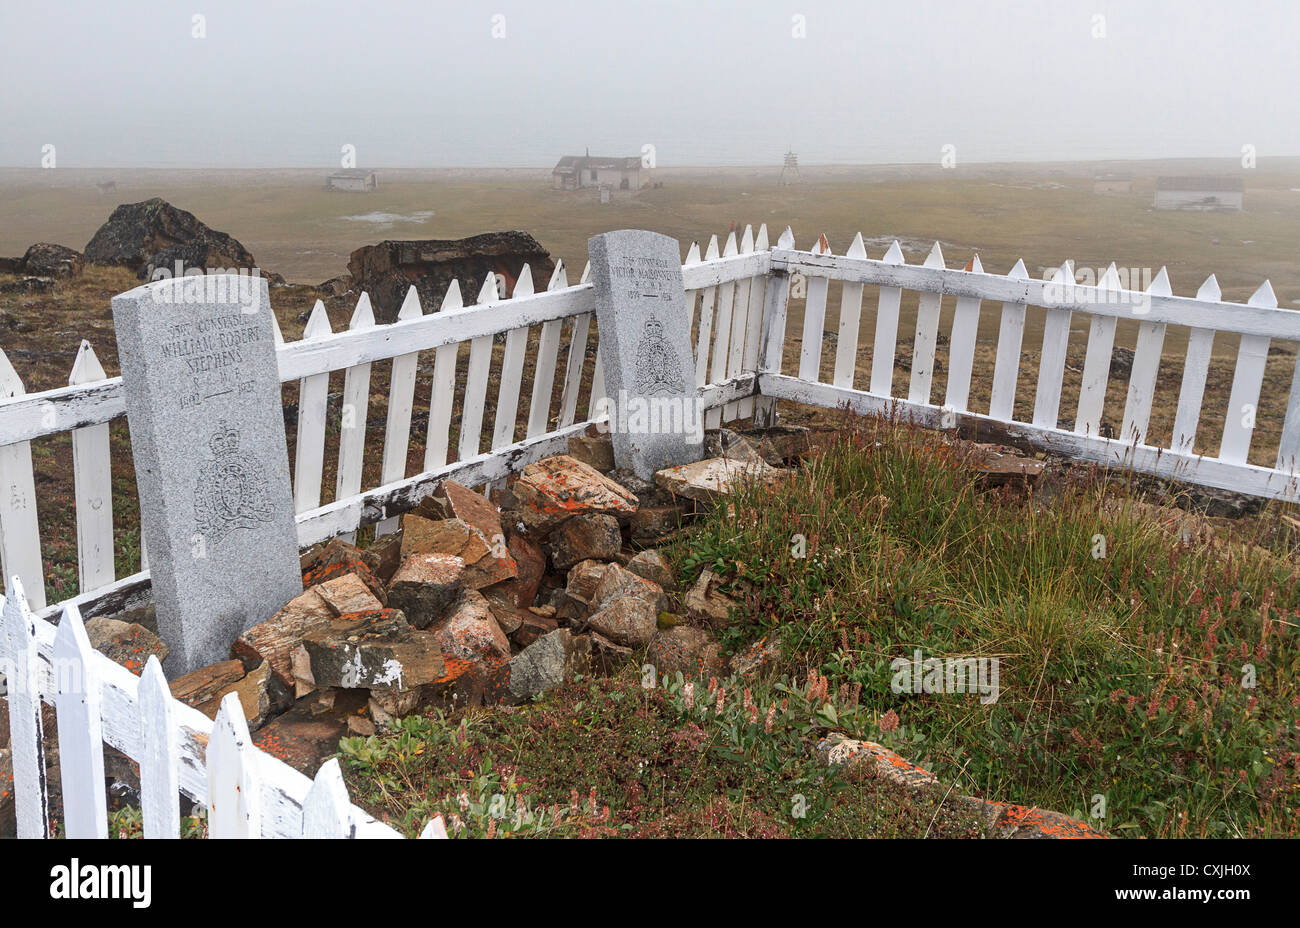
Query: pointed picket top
{"x":435,"y":829}
{"x":1210,"y":290}
{"x":1160,"y":285}
{"x":895,"y":254}
{"x":1019,"y":272}
{"x":234,"y":790}
{"x":523,"y":283}
{"x":787,"y":239}
{"x":326,"y":810}
{"x":974,"y":266}
{"x":823,"y":246}
{"x":81,"y":735}
{"x":318,"y":323}
{"x":760,"y":241}
{"x":71,"y":643}
{"x":712,"y":253}
{"x":1264,"y":297}
{"x":693,"y":253}
{"x":934,"y":258}
{"x":10,"y":383}
{"x":452,"y":298}
{"x":730,"y":249}
{"x":277,"y":337}
{"x":86,"y":368}
{"x":159,"y":779}
{"x":1064,"y":274}
{"x":857,"y":248}
{"x":586,"y":274}
{"x":488,"y":293}
{"x":411,"y":308}
{"x":363,"y":317}
{"x":1110,"y":279}
{"x":747,"y":240}
{"x":559,"y":277}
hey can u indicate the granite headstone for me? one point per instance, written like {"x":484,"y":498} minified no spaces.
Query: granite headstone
{"x":207,"y":433}
{"x":651,"y":396}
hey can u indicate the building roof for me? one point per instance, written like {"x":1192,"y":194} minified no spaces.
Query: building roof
{"x":1218,"y":184}
{"x":570,"y":164}
{"x":352,"y":172}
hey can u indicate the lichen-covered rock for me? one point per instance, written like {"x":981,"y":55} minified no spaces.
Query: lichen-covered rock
{"x":685,"y":649}
{"x":557,"y":488}
{"x":590,"y":536}
{"x":337,"y":558}
{"x":625,"y":608}
{"x":45,"y":259}
{"x":530,"y":565}
{"x":546,"y":663}
{"x":706,"y":603}
{"x":487,"y":559}
{"x":650,"y":524}
{"x":705,"y":481}
{"x":375,"y":649}
{"x":207,"y":683}
{"x":652,"y":566}
{"x":757,"y":656}
{"x":124,"y":642}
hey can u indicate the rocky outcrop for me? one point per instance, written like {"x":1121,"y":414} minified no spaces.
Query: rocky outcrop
{"x":47,"y":260}
{"x":389,"y":269}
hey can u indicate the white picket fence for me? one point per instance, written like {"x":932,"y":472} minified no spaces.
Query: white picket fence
{"x":1255,"y":323}
{"x":179,"y":750}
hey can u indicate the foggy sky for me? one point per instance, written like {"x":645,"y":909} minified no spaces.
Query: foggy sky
{"x":424,"y":84}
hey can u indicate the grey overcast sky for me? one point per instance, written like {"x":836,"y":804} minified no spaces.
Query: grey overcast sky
{"x":426,"y":84}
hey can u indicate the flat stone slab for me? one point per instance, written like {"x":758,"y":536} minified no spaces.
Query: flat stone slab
{"x":202,"y":391}
{"x":705,"y":481}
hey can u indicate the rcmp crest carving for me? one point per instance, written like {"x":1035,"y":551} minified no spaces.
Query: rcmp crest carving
{"x":658,"y":370}
{"x":229,"y":495}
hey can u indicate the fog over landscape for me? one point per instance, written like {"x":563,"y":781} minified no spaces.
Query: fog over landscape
{"x":727,"y":83}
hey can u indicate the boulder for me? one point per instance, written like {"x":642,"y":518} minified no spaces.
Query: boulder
{"x":475,"y":651}
{"x":557,"y":488}
{"x":724,"y":443}
{"x":389,"y":269}
{"x":55,"y":261}
{"x":426,"y":586}
{"x":596,"y":451}
{"x":453,"y":501}
{"x":531,"y":627}
{"x":302,"y":739}
{"x":650,"y":565}
{"x":685,"y":649}
{"x":546,"y":663}
{"x":207,"y":683}
{"x":125,"y":642}
{"x":590,"y":536}
{"x":704,"y":602}
{"x":530,"y":566}
{"x":336,"y":558}
{"x":780,"y":445}
{"x":651,"y":524}
{"x":377,"y":649}
{"x":705,"y":481}
{"x":214,"y":251}
{"x":275,"y":639}
{"x":384,"y":556}
{"x":756,"y":656}
{"x":136,"y":232}
{"x":606,"y":656}
{"x":255,"y":691}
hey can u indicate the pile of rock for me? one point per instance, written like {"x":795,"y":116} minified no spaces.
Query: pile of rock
{"x":40,"y":266}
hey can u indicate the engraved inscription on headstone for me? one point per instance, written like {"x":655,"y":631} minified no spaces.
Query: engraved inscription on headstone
{"x":651,"y":397}
{"x":207,"y":434}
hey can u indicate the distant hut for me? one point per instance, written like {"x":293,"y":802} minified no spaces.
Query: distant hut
{"x":353,"y":180}
{"x":573,"y":172}
{"x":1222,"y":193}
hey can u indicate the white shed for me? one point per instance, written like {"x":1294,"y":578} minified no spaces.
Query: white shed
{"x":1200,"y":193}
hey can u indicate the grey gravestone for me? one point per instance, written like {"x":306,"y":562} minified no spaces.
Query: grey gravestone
{"x":207,"y":434}
{"x":645,"y":331}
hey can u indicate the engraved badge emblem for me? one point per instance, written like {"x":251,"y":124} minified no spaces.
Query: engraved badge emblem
{"x":229,"y":495}
{"x":657,"y":367}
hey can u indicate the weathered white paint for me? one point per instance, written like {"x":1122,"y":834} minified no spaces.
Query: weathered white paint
{"x":1006,"y":368}
{"x":776,"y":299}
{"x":313,"y":397}
{"x":886,"y":337}
{"x":1146,"y":364}
{"x":160,"y":755}
{"x":234,"y":787}
{"x":1247,"y":381}
{"x":26,"y":727}
{"x":754,"y":322}
{"x":443,"y":395}
{"x":401,"y":403}
{"x":1051,"y":366}
{"x":81,"y":737}
{"x":723,"y":336}
{"x":548,"y":353}
{"x":93,"y":482}
{"x":927,"y":335}
{"x":814,"y":320}
{"x":327,"y":812}
{"x":704,"y":334}
{"x":961,"y":346}
{"x":1196,"y":367}
{"x":739,"y":324}
{"x":476,"y":382}
{"x":512,"y":370}
{"x":354,"y":414}
{"x":20,"y":540}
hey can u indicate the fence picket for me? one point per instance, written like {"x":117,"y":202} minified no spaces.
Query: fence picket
{"x":846,"y":346}
{"x":961,"y":345}
{"x":739,"y":324}
{"x":401,"y":402}
{"x":704,"y":335}
{"x":20,"y":536}
{"x":327,"y":811}
{"x":313,"y":399}
{"x":1146,"y":365}
{"x":577,"y":358}
{"x":927,"y":336}
{"x":722,"y":335}
{"x":354,"y":415}
{"x":435,"y":829}
{"x":476,"y":381}
{"x":1247,"y":381}
{"x":1288,"y":449}
{"x":753,"y":324}
{"x":234,"y":787}
{"x":597,"y":386}
{"x":93,"y":485}
{"x":81,"y":734}
{"x":1096,"y":363}
{"x":1051,"y":363}
{"x":26,"y":724}
{"x":1196,"y":367}
{"x":437,"y":438}
{"x":814,"y":320}
{"x":1006,"y":368}
{"x":692,"y":296}
{"x":886,"y":338}
{"x":776,"y":299}
{"x":512,"y":371}
{"x":159,"y":780}
{"x":548,"y":354}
